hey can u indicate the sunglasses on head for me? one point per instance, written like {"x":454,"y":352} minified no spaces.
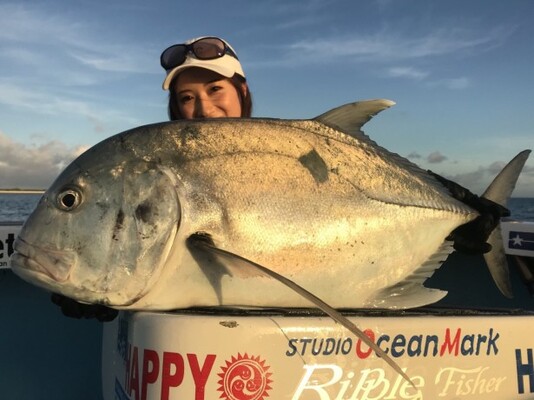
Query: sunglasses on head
{"x":208,"y":48}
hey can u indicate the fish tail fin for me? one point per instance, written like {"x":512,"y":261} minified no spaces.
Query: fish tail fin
{"x":499,"y":191}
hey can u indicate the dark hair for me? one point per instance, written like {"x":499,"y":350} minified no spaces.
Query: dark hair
{"x":245,"y":98}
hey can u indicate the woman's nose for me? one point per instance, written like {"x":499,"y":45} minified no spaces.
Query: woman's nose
{"x":204,"y":108}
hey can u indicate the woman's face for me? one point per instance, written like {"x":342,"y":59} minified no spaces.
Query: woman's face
{"x":202,"y":93}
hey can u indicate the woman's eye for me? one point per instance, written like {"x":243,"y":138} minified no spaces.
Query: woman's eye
{"x":186,"y":99}
{"x":215,"y":88}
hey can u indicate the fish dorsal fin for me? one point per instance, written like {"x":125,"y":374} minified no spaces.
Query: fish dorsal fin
{"x":350,"y":118}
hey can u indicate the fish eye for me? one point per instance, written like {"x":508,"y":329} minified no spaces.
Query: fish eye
{"x":69,"y":199}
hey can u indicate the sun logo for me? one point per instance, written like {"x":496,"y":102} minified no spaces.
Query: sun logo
{"x":244,"y":378}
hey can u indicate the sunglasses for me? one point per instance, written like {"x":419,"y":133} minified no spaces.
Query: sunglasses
{"x":208,"y":48}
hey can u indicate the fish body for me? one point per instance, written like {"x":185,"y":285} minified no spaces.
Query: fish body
{"x":315,"y":201}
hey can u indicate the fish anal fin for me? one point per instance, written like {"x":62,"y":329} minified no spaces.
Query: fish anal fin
{"x":202,"y":242}
{"x":405,"y":296}
{"x":410,"y":292}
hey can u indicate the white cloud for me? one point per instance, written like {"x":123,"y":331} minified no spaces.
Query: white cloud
{"x":407,"y":72}
{"x":58,"y":66}
{"x":33,"y":166}
{"x":113,"y":62}
{"x":32,"y":37}
{"x":57,"y":104}
{"x":453,"y":83}
{"x":386,"y":45}
{"x":24,"y":24}
{"x":478,"y":180}
{"x":424,"y":76}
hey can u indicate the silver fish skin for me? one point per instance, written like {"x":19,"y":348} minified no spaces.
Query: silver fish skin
{"x":315,"y":201}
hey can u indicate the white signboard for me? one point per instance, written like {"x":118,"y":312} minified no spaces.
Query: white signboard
{"x":201,"y":357}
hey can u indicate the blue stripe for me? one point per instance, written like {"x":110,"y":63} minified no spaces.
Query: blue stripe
{"x":527,"y":236}
{"x":522,"y":246}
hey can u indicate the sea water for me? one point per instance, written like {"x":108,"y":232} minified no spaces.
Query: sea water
{"x":17,"y":207}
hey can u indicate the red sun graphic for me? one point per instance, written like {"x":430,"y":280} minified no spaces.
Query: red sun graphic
{"x":244,"y":378}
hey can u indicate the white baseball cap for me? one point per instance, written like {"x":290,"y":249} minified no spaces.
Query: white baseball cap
{"x":220,"y":58}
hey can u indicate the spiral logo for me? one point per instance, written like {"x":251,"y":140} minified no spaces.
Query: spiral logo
{"x":244,"y":378}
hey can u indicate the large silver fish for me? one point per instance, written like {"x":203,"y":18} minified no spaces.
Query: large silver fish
{"x":197,"y":213}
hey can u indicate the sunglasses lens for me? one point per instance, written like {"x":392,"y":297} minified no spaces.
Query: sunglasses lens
{"x":173,"y":56}
{"x":203,"y":49}
{"x":208,"y":48}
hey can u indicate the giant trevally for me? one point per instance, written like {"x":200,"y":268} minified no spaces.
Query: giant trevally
{"x":171,"y":215}
{"x":199,"y":212}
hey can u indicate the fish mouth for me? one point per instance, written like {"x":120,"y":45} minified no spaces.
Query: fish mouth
{"x":52,"y":263}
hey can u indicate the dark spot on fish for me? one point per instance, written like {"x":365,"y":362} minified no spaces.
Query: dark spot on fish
{"x":119,"y":222}
{"x":313,"y":162}
{"x":229,"y":324}
{"x":189,"y":132}
{"x":142,"y":212}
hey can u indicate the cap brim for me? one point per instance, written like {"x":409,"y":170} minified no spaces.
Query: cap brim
{"x":226,"y":66}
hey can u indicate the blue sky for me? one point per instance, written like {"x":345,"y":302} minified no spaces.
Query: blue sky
{"x":75,"y":72}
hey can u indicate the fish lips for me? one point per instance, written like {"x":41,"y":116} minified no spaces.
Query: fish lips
{"x":55,"y":265}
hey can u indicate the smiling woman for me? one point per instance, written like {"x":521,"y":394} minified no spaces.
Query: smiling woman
{"x":205,"y":80}
{"x":201,"y":93}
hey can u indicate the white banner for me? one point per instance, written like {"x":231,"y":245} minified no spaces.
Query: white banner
{"x":204,"y":357}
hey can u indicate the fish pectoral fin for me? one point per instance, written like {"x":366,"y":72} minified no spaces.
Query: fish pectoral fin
{"x":203,"y":242}
{"x":225,"y":262}
{"x":410,"y":292}
{"x":213,"y":268}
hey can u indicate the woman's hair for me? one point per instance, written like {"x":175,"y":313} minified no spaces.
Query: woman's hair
{"x":240,"y":84}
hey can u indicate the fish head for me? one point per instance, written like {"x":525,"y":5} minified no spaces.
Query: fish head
{"x":102,"y":232}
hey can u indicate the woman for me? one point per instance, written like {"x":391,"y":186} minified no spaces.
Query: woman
{"x":205,"y":80}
